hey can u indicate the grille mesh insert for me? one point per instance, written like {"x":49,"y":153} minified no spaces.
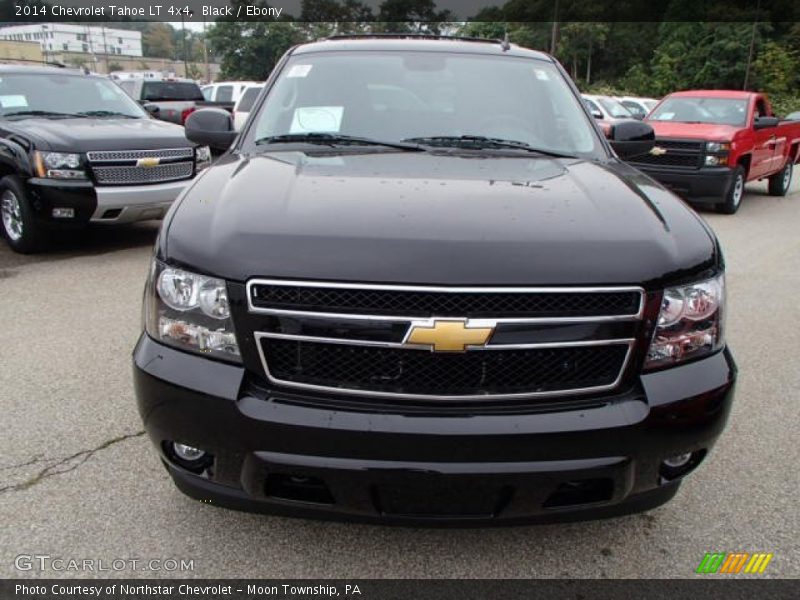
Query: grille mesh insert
{"x":421,"y":372}
{"x":130,"y":175}
{"x":443,"y":304}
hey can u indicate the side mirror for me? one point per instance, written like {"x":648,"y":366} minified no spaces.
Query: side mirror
{"x":596,"y":114}
{"x":211,"y":127}
{"x":153,"y":109}
{"x":765,"y":122}
{"x":632,"y":138}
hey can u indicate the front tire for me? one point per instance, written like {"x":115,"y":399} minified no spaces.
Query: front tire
{"x":18,"y":223}
{"x":780,"y":182}
{"x":733,"y":199}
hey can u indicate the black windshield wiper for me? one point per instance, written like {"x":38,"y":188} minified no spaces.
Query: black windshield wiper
{"x":479,"y":142}
{"x":334,"y":139}
{"x":42,"y":113}
{"x":105,"y":113}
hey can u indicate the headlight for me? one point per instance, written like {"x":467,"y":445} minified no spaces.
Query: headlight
{"x":202,"y":157}
{"x":717,"y":147}
{"x":190,"y":312}
{"x":58,"y":165}
{"x":690,"y":323}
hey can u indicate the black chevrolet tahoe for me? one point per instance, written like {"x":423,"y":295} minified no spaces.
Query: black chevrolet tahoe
{"x":75,"y":149}
{"x":421,"y":286}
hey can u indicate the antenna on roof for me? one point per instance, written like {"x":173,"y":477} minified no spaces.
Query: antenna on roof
{"x":505,"y":44}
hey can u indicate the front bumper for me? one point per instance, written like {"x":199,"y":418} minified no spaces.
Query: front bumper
{"x":706,"y":186}
{"x":433,"y":467}
{"x":101,"y":204}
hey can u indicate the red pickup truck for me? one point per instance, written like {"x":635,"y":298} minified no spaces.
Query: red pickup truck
{"x":710,"y":142}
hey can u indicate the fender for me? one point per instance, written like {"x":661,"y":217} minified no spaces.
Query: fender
{"x":15,"y":158}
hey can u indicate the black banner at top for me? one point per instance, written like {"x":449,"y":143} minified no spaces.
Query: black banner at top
{"x":394,"y":11}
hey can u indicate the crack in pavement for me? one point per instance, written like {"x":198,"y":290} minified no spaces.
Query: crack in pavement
{"x":55,"y":469}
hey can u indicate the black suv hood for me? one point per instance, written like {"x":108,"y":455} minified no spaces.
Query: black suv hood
{"x":85,"y":134}
{"x":435,"y":218}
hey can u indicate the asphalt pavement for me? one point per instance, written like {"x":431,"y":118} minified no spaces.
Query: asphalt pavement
{"x":79,"y":481}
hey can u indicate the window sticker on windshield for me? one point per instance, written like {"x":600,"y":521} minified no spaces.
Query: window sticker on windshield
{"x":14,"y":101}
{"x":541,"y":74}
{"x":666,"y":116}
{"x":299,"y":71}
{"x":317,"y":119}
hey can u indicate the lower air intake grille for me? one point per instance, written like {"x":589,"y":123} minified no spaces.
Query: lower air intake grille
{"x":421,"y":372}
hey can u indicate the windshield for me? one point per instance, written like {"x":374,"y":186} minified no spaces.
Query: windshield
{"x":683,"y":109}
{"x":165,"y":91}
{"x":634,"y":108}
{"x":614,"y":108}
{"x":400,"y":95}
{"x":64,"y":94}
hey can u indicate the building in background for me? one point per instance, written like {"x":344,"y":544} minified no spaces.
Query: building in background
{"x":58,"y":38}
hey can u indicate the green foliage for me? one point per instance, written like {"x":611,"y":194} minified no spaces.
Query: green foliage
{"x":250,"y":49}
{"x":114,"y":66}
{"x":776,"y":70}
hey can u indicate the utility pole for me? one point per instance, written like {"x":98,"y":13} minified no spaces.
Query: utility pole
{"x":554,"y":32}
{"x":105,"y":47}
{"x":205,"y":52}
{"x":752,"y":48}
{"x":183,"y":40}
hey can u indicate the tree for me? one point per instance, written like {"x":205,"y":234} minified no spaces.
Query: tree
{"x":579,"y":41}
{"x":250,"y":49}
{"x":157,"y":41}
{"x":411,"y":16}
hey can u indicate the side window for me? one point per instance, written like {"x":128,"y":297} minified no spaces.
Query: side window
{"x":761,"y":108}
{"x":224,"y":93}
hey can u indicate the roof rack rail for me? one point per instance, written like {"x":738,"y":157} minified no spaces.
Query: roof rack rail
{"x":400,"y":36}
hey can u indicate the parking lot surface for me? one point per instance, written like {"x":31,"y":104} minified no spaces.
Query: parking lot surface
{"x":78,"y":479}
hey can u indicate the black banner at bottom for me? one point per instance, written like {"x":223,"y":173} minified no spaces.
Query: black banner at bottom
{"x":710,"y":588}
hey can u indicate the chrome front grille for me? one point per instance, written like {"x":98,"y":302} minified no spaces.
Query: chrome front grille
{"x":133,"y":155}
{"x":132,"y":167}
{"x":132,"y":175}
{"x":544,"y":342}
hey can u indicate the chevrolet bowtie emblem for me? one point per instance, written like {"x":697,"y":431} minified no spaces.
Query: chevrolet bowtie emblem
{"x":658,"y":151}
{"x":443,"y":335}
{"x":148,"y":162}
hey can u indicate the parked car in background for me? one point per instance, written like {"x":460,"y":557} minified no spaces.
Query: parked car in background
{"x":710,"y":142}
{"x":638,"y":107}
{"x":795,"y":116}
{"x":226,"y":91}
{"x":76,"y":149}
{"x":606,"y":108}
{"x":242,"y":108}
{"x":169,"y":99}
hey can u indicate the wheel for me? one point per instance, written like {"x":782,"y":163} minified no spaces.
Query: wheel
{"x":19,"y":225}
{"x":780,"y":182}
{"x":733,"y":199}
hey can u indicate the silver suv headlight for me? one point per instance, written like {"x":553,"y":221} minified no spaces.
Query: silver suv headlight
{"x":690,"y":323}
{"x":189,"y":312}
{"x":58,"y":165}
